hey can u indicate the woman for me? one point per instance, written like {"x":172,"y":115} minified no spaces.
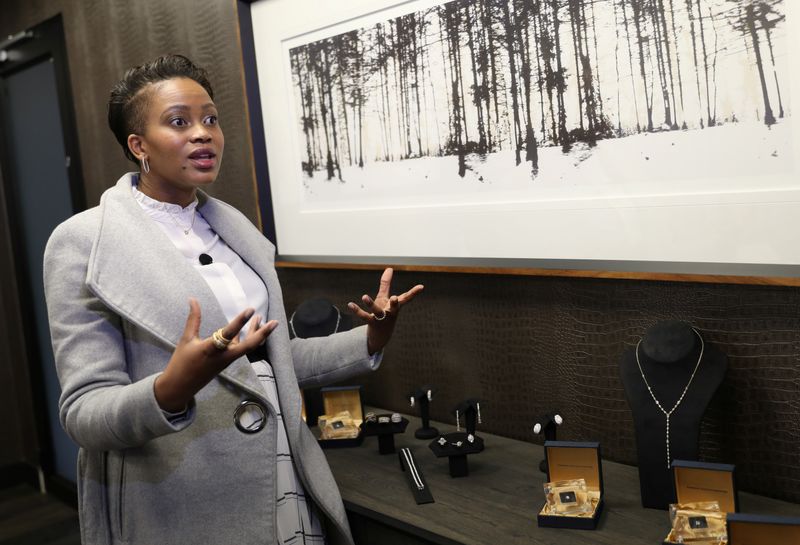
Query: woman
{"x":189,"y":428}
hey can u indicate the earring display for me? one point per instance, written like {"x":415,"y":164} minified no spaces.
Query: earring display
{"x":546,"y":425}
{"x":458,"y":445}
{"x":422,"y":398}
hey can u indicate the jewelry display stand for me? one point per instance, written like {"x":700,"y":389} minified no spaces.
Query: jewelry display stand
{"x":385,"y":432}
{"x":316,"y":317}
{"x":416,"y":480}
{"x":458,"y":445}
{"x":546,"y":425}
{"x":422,"y":397}
{"x":669,"y":379}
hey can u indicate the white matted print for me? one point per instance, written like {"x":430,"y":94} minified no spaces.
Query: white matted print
{"x":626,"y":130}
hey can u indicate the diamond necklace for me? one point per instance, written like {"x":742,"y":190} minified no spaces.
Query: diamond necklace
{"x":175,"y":221}
{"x":668,"y":414}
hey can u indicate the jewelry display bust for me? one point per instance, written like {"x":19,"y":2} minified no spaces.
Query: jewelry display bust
{"x":669,"y":378}
{"x":422,"y":397}
{"x":316,"y":317}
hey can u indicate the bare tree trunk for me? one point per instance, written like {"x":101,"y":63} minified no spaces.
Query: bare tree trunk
{"x":711,"y":121}
{"x":637,"y":22}
{"x":630,"y":64}
{"x":509,"y":34}
{"x":476,"y":100}
{"x":329,"y":87}
{"x":338,"y":43}
{"x":415,"y":53}
{"x":560,"y":84}
{"x":750,"y":21}
{"x":678,"y":61}
{"x":690,"y":14}
{"x":663,"y":76}
{"x":537,"y":38}
{"x":452,"y":25}
{"x":767,"y":26}
{"x":662,"y":15}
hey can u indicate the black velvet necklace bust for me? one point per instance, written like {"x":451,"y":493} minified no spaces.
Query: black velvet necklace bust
{"x":668,"y":354}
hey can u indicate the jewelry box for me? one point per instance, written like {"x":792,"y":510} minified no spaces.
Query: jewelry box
{"x":759,"y":529}
{"x":336,"y":400}
{"x":570,"y":461}
{"x":695,"y":482}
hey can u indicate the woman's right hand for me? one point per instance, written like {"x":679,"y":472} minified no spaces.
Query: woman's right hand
{"x":195,"y":361}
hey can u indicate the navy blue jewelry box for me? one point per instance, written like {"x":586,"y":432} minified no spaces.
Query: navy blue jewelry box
{"x":568,"y":460}
{"x":702,"y":481}
{"x":745,"y":529}
{"x":343,"y":398}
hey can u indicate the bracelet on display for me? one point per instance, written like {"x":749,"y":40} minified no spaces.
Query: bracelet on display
{"x":416,"y":481}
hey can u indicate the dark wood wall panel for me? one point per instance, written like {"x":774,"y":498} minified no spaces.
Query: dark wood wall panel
{"x":106,"y":37}
{"x":528,"y":345}
{"x":103,"y":39}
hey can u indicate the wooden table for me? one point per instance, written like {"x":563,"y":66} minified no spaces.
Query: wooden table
{"x":497,"y":503}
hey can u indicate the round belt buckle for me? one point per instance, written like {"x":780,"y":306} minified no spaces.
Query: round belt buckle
{"x":250,"y":416}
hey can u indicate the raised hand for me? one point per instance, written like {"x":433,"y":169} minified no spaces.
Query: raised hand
{"x":383,"y":311}
{"x":195,"y":361}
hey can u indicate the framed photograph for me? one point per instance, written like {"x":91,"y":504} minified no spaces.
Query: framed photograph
{"x":643,"y":135}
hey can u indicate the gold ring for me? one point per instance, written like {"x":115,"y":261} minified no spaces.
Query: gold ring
{"x":220,"y":341}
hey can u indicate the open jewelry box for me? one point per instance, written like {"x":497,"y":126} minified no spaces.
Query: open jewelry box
{"x":760,"y":529}
{"x":569,"y":460}
{"x":335,"y":400}
{"x":702,"y":482}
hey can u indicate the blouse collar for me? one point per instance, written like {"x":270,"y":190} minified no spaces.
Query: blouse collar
{"x":162,"y":211}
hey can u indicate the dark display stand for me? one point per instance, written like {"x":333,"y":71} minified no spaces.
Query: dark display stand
{"x":547,"y":425}
{"x":457,"y":446}
{"x":668,"y":354}
{"x":385,"y":433}
{"x":416,"y":480}
{"x":422,"y":398}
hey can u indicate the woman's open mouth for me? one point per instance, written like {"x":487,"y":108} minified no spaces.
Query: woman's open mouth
{"x":203,"y":159}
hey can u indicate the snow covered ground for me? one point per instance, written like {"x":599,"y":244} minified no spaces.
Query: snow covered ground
{"x":727,"y":158}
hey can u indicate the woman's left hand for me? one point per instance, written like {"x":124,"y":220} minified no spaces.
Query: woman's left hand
{"x":384,"y":311}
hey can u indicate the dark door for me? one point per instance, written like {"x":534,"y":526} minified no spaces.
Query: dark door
{"x":40,"y":172}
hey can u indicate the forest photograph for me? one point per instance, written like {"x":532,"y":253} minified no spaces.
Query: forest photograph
{"x":547,"y":97}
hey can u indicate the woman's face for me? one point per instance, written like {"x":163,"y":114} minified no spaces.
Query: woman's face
{"x":182,"y":139}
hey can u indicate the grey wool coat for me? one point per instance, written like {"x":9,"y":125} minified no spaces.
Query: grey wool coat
{"x":117,"y":295}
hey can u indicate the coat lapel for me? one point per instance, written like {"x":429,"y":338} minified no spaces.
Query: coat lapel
{"x":136,"y":270}
{"x":238,"y":233}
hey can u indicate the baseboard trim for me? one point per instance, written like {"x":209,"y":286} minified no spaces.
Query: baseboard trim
{"x":18,"y":473}
{"x":62,"y":489}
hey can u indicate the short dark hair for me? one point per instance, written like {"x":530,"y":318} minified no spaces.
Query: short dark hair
{"x":127,"y":105}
